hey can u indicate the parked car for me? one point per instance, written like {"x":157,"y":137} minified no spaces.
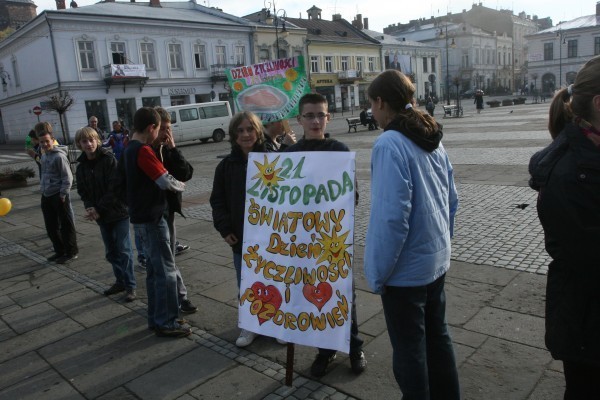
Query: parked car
{"x":470,"y":93}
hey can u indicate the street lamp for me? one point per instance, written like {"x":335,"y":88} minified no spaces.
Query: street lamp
{"x":275,"y":17}
{"x":4,"y":75}
{"x":533,"y":92}
{"x":444,"y":34}
{"x":561,"y":40}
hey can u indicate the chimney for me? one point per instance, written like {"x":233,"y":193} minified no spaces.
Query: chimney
{"x":155,"y":3}
{"x":366,"y":23}
{"x":314,"y":13}
{"x":60,"y":5}
{"x":598,"y":9}
{"x":336,"y":17}
{"x":357,"y":22}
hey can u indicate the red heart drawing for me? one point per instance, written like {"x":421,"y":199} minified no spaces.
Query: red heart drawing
{"x":318,"y":295}
{"x":270,"y":299}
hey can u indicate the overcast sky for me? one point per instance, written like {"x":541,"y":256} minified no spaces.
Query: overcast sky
{"x":382,"y":13}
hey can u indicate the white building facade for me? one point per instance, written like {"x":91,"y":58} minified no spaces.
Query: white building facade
{"x":178,"y":52}
{"x":558,"y":53}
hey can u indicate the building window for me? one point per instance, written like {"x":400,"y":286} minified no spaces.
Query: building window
{"x":328,"y":64}
{"x":282,"y":53}
{"x":572,"y":48}
{"x":425,"y":64}
{"x":344,"y":63}
{"x":314,"y":63}
{"x":125,"y":110}
{"x":117,"y":50}
{"x":98,"y":109}
{"x":548,"y":51}
{"x":433,"y":64}
{"x":298,"y":53}
{"x":199,"y":56}
{"x":263,"y":55}
{"x":372,"y":64}
{"x":151,"y":101}
{"x":86,"y":55}
{"x":147,"y":52}
{"x":175,"y":57}
{"x":596,"y":46}
{"x":240,"y":55}
{"x":359,"y":64}
{"x":220,"y":55}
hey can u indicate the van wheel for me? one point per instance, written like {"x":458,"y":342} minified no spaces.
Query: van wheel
{"x":218,"y":136}
{"x":204,"y":140}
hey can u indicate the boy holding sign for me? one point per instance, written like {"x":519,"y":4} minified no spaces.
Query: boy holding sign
{"x":313,"y":118}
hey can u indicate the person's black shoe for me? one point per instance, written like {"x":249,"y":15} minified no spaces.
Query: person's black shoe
{"x":130,"y":295}
{"x":180,"y":248}
{"x":177,"y":332}
{"x":319,"y":366}
{"x":54,"y":257}
{"x":114,"y":289}
{"x":358,"y":362}
{"x":67,"y":258}
{"x":187,"y":307}
{"x":141,"y":266}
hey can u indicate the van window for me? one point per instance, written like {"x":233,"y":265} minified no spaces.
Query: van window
{"x":188,"y":114}
{"x":214,"y":111}
{"x":173,"y":117}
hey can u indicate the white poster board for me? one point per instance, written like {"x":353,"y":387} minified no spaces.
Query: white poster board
{"x":298,"y":247}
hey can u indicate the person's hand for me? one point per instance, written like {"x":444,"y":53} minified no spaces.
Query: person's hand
{"x":92,"y":214}
{"x":169,"y":141}
{"x":289,"y":138}
{"x":31,"y":153}
{"x":231,"y":239}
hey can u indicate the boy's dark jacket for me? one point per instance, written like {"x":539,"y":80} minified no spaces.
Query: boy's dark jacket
{"x":180,"y":168}
{"x":99,"y":185}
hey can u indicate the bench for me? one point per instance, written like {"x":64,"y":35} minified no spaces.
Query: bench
{"x":353,"y":122}
{"x":453,"y":111}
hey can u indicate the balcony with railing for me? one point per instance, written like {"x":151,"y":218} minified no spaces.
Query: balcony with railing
{"x":217,"y":71}
{"x":349,"y":75}
{"x":125,"y":74}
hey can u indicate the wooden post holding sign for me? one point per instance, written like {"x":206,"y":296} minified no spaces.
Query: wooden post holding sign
{"x":37,"y":110}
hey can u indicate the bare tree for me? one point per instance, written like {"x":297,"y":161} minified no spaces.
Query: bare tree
{"x":60,"y":103}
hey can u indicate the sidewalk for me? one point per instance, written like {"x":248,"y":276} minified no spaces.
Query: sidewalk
{"x":60,"y":338}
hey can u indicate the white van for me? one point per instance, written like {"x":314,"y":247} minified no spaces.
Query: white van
{"x":200,"y":121}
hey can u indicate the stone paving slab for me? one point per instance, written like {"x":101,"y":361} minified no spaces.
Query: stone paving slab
{"x":180,"y":375}
{"x":106,"y":356}
{"x":236,"y":383}
{"x":47,"y":385}
{"x":502,"y":370}
{"x":516,"y":327}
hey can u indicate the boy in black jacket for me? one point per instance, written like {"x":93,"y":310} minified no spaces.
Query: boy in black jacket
{"x":313,"y":118}
{"x":177,"y":165}
{"x":98,"y":184}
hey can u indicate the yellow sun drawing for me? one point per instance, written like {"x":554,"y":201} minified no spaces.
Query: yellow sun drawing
{"x":267,"y":173}
{"x":334,"y":248}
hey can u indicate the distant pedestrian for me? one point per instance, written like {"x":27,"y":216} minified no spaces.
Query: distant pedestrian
{"x":567,"y":176}
{"x":93,"y":123}
{"x":479,"y":101}
{"x":407,"y":253}
{"x":430,"y":106}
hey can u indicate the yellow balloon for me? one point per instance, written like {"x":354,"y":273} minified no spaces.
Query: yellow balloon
{"x":5,"y":206}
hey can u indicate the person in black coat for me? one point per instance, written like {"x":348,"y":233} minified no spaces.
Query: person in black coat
{"x":228,"y":195}
{"x":567,"y":176}
{"x":276,"y":138}
{"x":98,"y":184}
{"x":174,"y":162}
